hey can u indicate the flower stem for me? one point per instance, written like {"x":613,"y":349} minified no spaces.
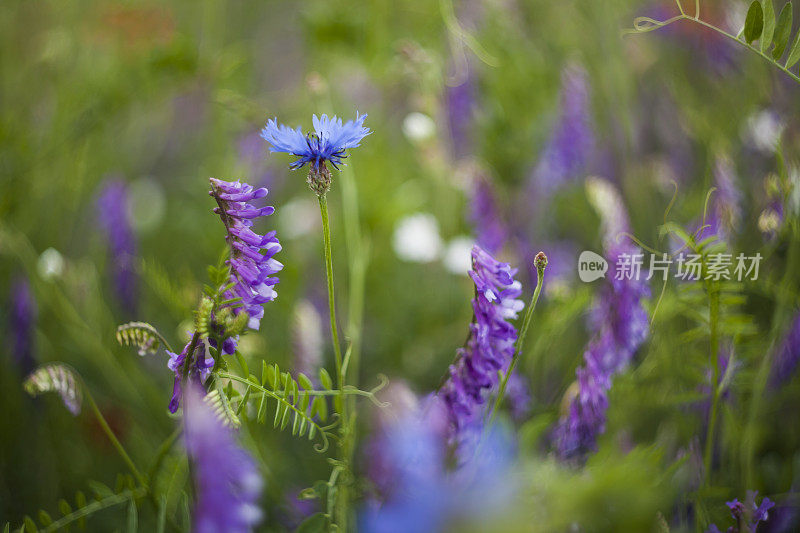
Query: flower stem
{"x":713,"y":308}
{"x":114,"y":441}
{"x":326,"y":234}
{"x":526,"y":322}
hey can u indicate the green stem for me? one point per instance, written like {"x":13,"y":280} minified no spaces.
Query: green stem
{"x":713,"y":307}
{"x":526,"y":322}
{"x":326,"y":234}
{"x":114,"y":441}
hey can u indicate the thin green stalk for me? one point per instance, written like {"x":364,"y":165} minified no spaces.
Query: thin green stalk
{"x":343,"y":492}
{"x":713,"y":308}
{"x":114,"y":441}
{"x":526,"y":322}
{"x":326,"y":235}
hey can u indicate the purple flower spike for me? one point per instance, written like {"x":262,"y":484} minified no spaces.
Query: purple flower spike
{"x":113,"y":216}
{"x":328,"y":142}
{"x":228,"y":485}
{"x":22,"y":320}
{"x":621,"y":325}
{"x":785,"y":363}
{"x":252,"y":263}
{"x":490,"y":347}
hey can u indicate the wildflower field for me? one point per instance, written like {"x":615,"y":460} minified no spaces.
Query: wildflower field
{"x":400,"y":266}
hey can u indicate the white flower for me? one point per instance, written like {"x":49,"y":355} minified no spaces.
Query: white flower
{"x":416,"y":238}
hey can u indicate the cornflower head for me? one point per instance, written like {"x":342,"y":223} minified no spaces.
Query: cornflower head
{"x":490,"y":346}
{"x":748,"y":516}
{"x":116,"y":225}
{"x":228,"y":486}
{"x":785,"y":362}
{"x":251,"y":262}
{"x":22,"y":320}
{"x":326,"y":144}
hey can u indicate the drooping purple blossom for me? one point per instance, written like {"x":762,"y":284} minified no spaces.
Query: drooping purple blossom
{"x":252,"y":263}
{"x":490,"y":346}
{"x":571,"y":144}
{"x":199,"y":367}
{"x":748,"y":516}
{"x":328,"y":142}
{"x":785,"y":363}
{"x":116,"y":225}
{"x":22,"y":320}
{"x":620,"y":325}
{"x":228,"y":485}
{"x":490,"y":231}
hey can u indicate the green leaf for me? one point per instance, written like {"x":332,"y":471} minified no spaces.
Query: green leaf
{"x":325,"y":379}
{"x":7,"y":528}
{"x":30,"y":525}
{"x":162,"y":515}
{"x":101,"y":490}
{"x":64,"y":507}
{"x":44,"y":518}
{"x":242,"y":363}
{"x":133,"y":517}
{"x":794,"y":52}
{"x":265,"y":373}
{"x":769,"y":25}
{"x":782,"y":31}
{"x":316,"y":523}
{"x":304,"y":381}
{"x":754,"y":23}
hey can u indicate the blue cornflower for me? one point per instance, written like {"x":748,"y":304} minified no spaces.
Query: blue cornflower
{"x":328,"y":142}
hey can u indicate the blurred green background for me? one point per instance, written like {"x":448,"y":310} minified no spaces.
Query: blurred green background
{"x":164,"y":95}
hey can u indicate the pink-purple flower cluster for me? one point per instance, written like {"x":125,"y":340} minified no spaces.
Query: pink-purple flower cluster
{"x":199,"y":368}
{"x":228,"y":486}
{"x":252,"y":263}
{"x":490,"y":346}
{"x":747,"y":516}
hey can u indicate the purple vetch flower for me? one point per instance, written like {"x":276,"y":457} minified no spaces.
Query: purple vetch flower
{"x":328,"y":142}
{"x":22,"y":320}
{"x":620,"y":324}
{"x":200,"y":364}
{"x":490,"y":346}
{"x":785,"y":363}
{"x":252,"y":264}
{"x":228,"y":485}
{"x":116,"y":225}
{"x":571,"y":144}
{"x":749,"y":516}
{"x":491,"y":233}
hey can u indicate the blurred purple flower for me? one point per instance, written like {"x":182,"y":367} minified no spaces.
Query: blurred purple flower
{"x":725,"y":210}
{"x":328,"y":142}
{"x":747,"y":516}
{"x":460,"y":107}
{"x":251,"y":154}
{"x":307,"y":338}
{"x":491,"y":232}
{"x":490,"y":346}
{"x":22,"y":320}
{"x":115,"y":223}
{"x":251,"y":259}
{"x":228,"y":485}
{"x":620,"y":325}
{"x":571,"y":144}
{"x":518,"y":396}
{"x":785,"y":362}
{"x":425,"y":497}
